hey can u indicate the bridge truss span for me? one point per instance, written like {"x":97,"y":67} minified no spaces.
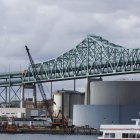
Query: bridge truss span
{"x":94,"y":56}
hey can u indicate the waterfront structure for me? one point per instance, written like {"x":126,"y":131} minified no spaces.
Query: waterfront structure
{"x":22,"y":112}
{"x":110,"y":102}
{"x":26,"y":111}
{"x":67,"y":98}
{"x":93,"y":57}
{"x":95,"y":115}
{"x":115,"y":92}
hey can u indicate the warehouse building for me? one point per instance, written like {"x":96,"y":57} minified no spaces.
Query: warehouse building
{"x":21,"y":112}
{"x":27,"y":111}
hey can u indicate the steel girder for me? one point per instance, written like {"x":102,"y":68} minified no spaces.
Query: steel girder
{"x":9,"y":96}
{"x":94,"y":56}
{"x":11,"y":79}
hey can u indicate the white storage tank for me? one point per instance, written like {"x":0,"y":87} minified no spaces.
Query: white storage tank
{"x":115,"y":93}
{"x":70,"y":98}
{"x":110,"y":101}
{"x":58,"y":102}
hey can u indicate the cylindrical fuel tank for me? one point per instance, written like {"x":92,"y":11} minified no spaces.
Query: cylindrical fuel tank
{"x":115,"y":93}
{"x":70,"y":98}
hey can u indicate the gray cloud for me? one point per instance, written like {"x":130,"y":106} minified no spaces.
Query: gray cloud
{"x":51,"y":28}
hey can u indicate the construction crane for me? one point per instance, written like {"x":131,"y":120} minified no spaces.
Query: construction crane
{"x":56,"y":121}
{"x":49,"y":102}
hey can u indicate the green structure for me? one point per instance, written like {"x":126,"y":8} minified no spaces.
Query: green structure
{"x":93,"y":57}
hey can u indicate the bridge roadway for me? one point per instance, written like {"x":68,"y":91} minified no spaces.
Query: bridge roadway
{"x":93,"y":57}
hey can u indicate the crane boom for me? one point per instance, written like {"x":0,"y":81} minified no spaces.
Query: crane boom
{"x":40,"y":86}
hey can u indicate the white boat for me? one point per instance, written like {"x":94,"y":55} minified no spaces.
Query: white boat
{"x":120,"y":132}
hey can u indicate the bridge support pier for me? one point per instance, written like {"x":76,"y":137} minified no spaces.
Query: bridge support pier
{"x":34,"y":96}
{"x":30,"y":86}
{"x":51,"y":91}
{"x":87,"y":91}
{"x":87,"y":88}
{"x":74,"y":84}
{"x":22,"y":97}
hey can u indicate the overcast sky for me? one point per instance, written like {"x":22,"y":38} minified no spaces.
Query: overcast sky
{"x":52,"y":27}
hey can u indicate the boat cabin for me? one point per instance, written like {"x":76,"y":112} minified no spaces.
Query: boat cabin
{"x":112,"y":131}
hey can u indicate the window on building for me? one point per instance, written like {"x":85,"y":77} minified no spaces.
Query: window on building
{"x":112,"y":135}
{"x":132,"y":135}
{"x":138,"y":135}
{"x":124,"y":135}
{"x":106,"y":135}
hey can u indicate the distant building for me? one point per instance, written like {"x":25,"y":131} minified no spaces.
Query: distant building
{"x":13,"y":104}
{"x":28,"y":103}
{"x":21,"y":112}
{"x":28,"y":111}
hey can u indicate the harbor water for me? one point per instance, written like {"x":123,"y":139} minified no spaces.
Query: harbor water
{"x":45,"y":137}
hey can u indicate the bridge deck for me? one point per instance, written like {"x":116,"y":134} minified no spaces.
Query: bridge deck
{"x":93,"y":57}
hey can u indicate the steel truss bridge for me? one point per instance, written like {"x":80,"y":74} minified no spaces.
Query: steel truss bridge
{"x":93,"y":57}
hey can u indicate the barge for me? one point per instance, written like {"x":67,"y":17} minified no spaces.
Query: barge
{"x":12,"y":128}
{"x":61,"y":131}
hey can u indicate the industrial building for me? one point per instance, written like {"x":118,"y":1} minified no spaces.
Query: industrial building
{"x":115,"y":93}
{"x":110,"y":102}
{"x":26,"y":108}
{"x":26,"y":111}
{"x":29,"y":103}
{"x":105,"y":102}
{"x":22,"y":112}
{"x":67,"y":98}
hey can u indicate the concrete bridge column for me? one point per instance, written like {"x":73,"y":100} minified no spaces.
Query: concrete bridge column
{"x":34,"y":96}
{"x":74,"y":86}
{"x":22,"y":97}
{"x":87,"y":88}
{"x":87,"y":91}
{"x":51,"y":91}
